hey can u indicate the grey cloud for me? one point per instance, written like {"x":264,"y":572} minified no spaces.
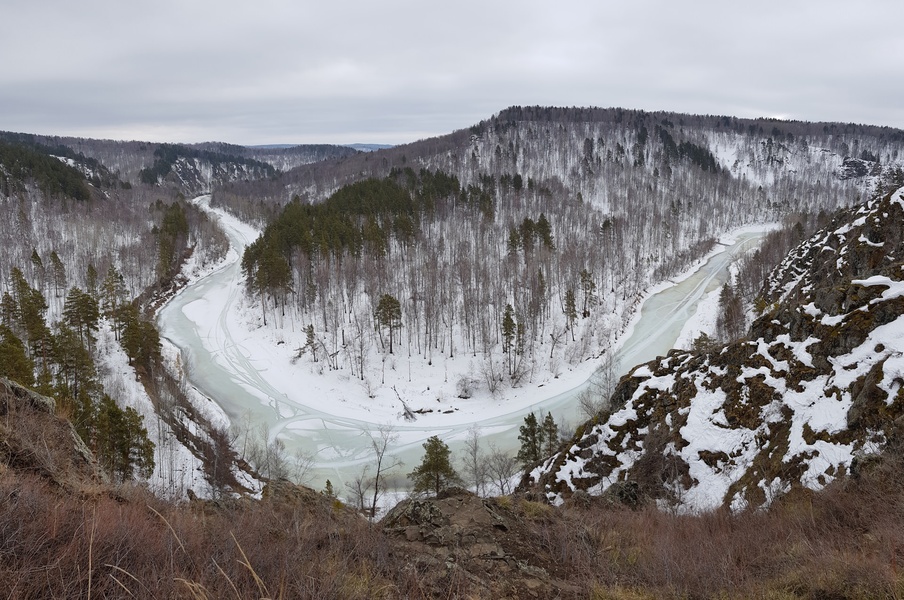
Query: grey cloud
{"x":281,"y":71}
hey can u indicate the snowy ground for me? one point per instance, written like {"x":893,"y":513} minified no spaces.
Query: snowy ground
{"x":175,"y":468}
{"x":252,"y":373}
{"x":740,"y":459}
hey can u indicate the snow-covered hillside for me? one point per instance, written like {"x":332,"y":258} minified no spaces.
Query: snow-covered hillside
{"x":817,"y":383}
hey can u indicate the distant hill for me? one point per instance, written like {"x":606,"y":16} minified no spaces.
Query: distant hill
{"x":369,"y":147}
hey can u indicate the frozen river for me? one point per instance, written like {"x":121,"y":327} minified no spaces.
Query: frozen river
{"x":197,"y":321}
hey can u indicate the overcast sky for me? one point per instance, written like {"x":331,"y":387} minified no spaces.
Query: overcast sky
{"x":290,"y":71}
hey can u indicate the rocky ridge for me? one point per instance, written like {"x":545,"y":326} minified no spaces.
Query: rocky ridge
{"x":33,"y":439}
{"x":817,"y":384}
{"x":475,"y":547}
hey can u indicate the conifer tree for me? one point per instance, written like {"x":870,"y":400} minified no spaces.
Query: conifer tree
{"x":14,"y":361}
{"x":544,"y":232}
{"x":76,"y":372}
{"x":730,"y":322}
{"x":531,"y":437}
{"x":550,"y":435}
{"x":588,"y":287}
{"x":9,"y":311}
{"x":514,"y":241}
{"x":508,"y":328}
{"x":91,"y":281}
{"x":389,"y":314}
{"x":30,"y":308}
{"x":57,"y":274}
{"x":435,"y":473}
{"x":140,"y":338}
{"x":310,"y":342}
{"x":113,"y":296}
{"x":37,"y":269}
{"x":80,"y":311}
{"x":122,"y":441}
{"x":571,"y":311}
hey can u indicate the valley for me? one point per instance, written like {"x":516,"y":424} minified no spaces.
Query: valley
{"x":235,"y":356}
{"x":328,"y":417}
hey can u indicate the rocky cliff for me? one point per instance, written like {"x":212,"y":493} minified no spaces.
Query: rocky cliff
{"x":816,"y":385}
{"x":33,"y":439}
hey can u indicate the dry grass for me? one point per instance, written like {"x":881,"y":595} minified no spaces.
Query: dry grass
{"x":843,"y":543}
{"x":137,"y":546}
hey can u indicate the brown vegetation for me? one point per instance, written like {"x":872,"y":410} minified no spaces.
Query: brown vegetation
{"x":105,"y":542}
{"x":129,"y":544}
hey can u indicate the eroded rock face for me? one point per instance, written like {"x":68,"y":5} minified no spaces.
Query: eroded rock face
{"x":474,"y":546}
{"x":818,"y":380}
{"x":34,"y":439}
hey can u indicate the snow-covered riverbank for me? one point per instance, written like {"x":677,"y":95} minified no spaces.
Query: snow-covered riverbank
{"x":252,"y":373}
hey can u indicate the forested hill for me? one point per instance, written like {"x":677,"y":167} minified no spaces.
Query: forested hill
{"x":602,"y":153}
{"x":548,"y":226}
{"x":188,"y":168}
{"x":665,"y":182}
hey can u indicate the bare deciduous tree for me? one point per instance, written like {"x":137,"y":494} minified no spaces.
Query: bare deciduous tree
{"x":475,"y":463}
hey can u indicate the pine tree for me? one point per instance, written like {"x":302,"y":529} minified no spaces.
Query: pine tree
{"x":544,"y":232}
{"x":571,"y":311}
{"x":266,"y":271}
{"x":113,"y":297}
{"x":80,"y":311}
{"x":140,"y":338}
{"x":435,"y":473}
{"x":122,"y":441}
{"x":508,"y":328}
{"x":730,"y":322}
{"x":310,"y":343}
{"x":76,"y":372}
{"x":514,"y":241}
{"x":531,"y":437}
{"x":588,"y":287}
{"x":14,"y":361}
{"x":9,"y":311}
{"x":389,"y":314}
{"x":37,"y":269}
{"x":550,"y":435}
{"x":30,"y":306}
{"x":20,"y":287}
{"x":91,"y":281}
{"x":57,"y":274}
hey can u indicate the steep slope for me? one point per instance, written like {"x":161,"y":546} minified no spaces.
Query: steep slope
{"x":817,"y":383}
{"x":603,"y":153}
{"x":34,"y":440}
{"x":283,"y":158}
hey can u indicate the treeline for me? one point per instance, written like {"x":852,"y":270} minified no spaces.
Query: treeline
{"x":282,"y":158}
{"x":782,"y":129}
{"x":363,"y":214}
{"x":606,"y":154}
{"x":20,"y":163}
{"x":167,"y":155}
{"x":94,"y":171}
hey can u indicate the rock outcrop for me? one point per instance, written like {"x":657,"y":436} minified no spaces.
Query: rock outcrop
{"x":34,"y":439}
{"x":817,"y":382}
{"x":461,"y":545}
